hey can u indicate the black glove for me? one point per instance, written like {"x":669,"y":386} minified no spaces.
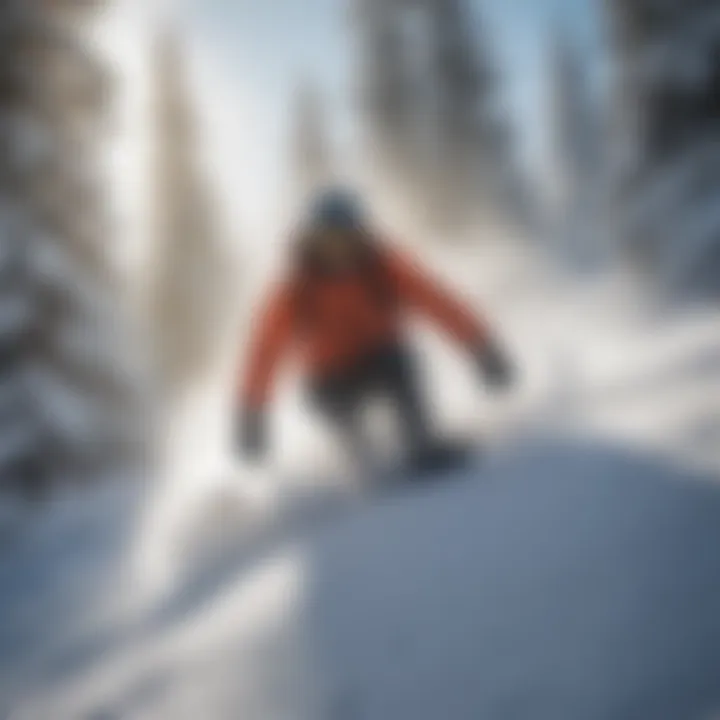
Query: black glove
{"x":495,"y":366}
{"x":252,"y":435}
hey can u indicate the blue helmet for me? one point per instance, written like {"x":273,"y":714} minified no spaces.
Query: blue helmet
{"x":337,"y":208}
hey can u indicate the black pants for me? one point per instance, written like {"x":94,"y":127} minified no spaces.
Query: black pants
{"x":389,"y":373}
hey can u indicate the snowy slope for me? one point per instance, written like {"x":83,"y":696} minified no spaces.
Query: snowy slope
{"x":561,"y":582}
{"x":573,"y":574}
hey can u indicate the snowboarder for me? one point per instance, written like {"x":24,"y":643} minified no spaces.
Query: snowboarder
{"x":344,"y":304}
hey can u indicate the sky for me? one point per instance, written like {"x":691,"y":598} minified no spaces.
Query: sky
{"x":263,"y":49}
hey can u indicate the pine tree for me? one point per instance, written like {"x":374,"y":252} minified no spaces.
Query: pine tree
{"x":577,"y":157}
{"x":667,"y":110}
{"x":475,"y":179}
{"x":65,"y":394}
{"x":387,"y":99}
{"x":311,"y":149}
{"x":457,"y":84}
{"x":434,"y":130}
{"x":193,"y":269}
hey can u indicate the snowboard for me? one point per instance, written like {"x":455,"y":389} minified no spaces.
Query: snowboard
{"x":436,"y":464}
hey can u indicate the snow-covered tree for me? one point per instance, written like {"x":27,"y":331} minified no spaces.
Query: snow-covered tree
{"x":578,"y":187}
{"x":387,"y":88}
{"x":473,"y":178}
{"x":193,"y":281}
{"x":66,"y":396}
{"x":311,"y":146}
{"x":434,"y":129}
{"x":667,"y":110}
{"x":458,"y":86}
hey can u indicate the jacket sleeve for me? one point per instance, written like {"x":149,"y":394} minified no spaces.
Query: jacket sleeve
{"x":419,"y":291}
{"x":269,"y":342}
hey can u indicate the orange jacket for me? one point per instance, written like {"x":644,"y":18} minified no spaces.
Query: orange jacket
{"x":348,"y":322}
